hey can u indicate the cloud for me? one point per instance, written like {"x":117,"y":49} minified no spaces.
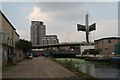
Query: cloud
{"x":77,"y":10}
{"x":60,"y":0}
{"x":63,"y":18}
{"x":106,"y":28}
{"x":37,"y":15}
{"x":21,"y":32}
{"x":63,"y":10}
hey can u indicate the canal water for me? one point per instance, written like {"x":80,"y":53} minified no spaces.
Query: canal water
{"x":95,"y":69}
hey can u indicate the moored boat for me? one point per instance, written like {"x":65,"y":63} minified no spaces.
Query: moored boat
{"x":96,"y":59}
{"x":115,"y":59}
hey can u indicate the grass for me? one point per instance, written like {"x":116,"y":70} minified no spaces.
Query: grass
{"x":68,"y":64}
{"x":82,"y":61}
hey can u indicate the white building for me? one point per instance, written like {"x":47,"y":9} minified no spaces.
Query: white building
{"x":82,"y":48}
{"x":50,"y":39}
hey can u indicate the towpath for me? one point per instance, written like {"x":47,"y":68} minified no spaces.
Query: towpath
{"x":37,"y":68}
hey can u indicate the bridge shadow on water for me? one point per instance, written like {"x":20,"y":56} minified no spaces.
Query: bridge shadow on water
{"x":62,"y":54}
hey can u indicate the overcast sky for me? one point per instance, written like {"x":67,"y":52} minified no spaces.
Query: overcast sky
{"x":61,"y":18}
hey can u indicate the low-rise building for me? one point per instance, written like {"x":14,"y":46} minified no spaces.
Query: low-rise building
{"x":8,"y":38}
{"x":85,"y":47}
{"x":106,"y":46}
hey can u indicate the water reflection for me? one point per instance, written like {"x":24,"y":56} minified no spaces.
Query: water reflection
{"x":99,"y":71}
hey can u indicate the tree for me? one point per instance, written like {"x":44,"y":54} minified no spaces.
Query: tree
{"x":24,"y":45}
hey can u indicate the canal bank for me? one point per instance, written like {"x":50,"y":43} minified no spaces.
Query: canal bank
{"x":68,"y":64}
{"x":91,"y":69}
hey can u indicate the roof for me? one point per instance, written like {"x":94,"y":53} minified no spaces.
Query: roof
{"x":7,"y":20}
{"x":108,"y":38}
{"x":17,"y":33}
{"x":51,"y":35}
{"x":37,"y":22}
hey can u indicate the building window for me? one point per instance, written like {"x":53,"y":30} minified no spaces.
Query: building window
{"x":109,"y":41}
{"x":106,"y":48}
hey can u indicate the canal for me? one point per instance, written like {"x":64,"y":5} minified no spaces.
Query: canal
{"x":95,"y":69}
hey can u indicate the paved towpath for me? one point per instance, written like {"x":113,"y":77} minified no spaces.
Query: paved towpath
{"x":37,"y":68}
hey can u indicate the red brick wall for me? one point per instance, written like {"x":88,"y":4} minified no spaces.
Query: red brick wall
{"x":105,"y":47}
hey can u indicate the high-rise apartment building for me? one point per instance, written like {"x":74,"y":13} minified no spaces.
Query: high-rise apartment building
{"x":38,"y":31}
